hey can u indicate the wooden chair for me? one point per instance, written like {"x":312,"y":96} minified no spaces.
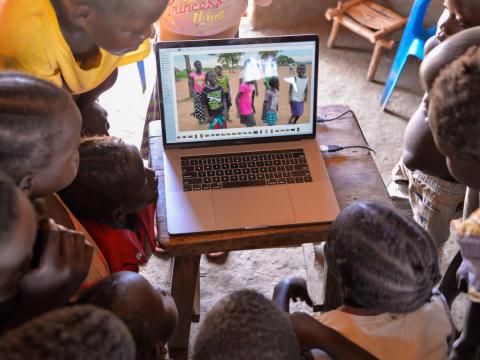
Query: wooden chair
{"x":368,"y":19}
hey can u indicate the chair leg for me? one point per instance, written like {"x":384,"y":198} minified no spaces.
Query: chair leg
{"x":395,"y":72}
{"x":372,"y":69}
{"x":333,"y":33}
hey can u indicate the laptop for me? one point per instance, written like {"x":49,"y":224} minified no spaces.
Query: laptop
{"x":233,"y":167}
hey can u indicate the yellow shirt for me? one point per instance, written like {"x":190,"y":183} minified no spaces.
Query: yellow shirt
{"x":31,"y":41}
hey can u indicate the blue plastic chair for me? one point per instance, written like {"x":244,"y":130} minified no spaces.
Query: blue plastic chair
{"x":412,"y":43}
{"x":141,"y":72}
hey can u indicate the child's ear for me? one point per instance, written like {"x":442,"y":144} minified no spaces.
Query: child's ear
{"x":119,"y":216}
{"x":81,"y":13}
{"x":26,"y":184}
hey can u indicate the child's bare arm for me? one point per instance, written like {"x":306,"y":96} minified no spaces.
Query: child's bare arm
{"x":312,"y":334}
{"x":306,"y":93}
{"x":290,"y":89}
{"x":190,"y":84}
{"x":291,"y":288}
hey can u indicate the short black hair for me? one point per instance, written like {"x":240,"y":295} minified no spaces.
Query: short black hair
{"x":30,"y":110}
{"x":77,"y":332}
{"x":244,"y":326}
{"x":383,"y":260}
{"x":112,"y":294}
{"x":273,"y":81}
{"x":102,"y":172}
{"x":9,"y":206}
{"x":454,"y":105}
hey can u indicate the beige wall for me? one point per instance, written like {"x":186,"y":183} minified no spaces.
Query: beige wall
{"x":285,"y":13}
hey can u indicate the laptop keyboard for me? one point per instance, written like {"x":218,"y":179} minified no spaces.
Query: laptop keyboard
{"x":226,"y":171}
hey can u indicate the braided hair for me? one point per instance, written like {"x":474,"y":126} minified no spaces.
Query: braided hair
{"x":383,"y":260}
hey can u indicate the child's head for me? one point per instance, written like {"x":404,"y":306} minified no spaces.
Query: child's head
{"x":149,"y":312}
{"x":197,"y":64}
{"x":454,"y":116}
{"x":301,"y":70}
{"x":462,"y":14}
{"x":274,"y":82}
{"x":211,"y":78}
{"x":118,"y":26}
{"x":39,"y":134}
{"x":218,"y":70}
{"x":18,"y":228}
{"x":384,"y":262}
{"x":245,"y":325}
{"x":76,"y":332}
{"x":112,"y":181}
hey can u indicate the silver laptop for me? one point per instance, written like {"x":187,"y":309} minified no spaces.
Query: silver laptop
{"x":238,"y":153}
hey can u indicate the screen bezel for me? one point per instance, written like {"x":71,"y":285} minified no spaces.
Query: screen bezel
{"x":237,"y":41}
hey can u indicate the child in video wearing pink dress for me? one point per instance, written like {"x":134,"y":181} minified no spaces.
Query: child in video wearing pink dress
{"x":245,"y":106}
{"x":196,"y":83}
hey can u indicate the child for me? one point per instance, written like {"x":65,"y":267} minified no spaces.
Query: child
{"x":77,"y":332}
{"x":270,"y":105}
{"x":422,"y":175}
{"x":214,"y":102}
{"x":77,"y":45}
{"x":246,"y":325}
{"x":150,"y":315}
{"x":119,"y":210}
{"x":183,"y":21}
{"x":225,"y":83}
{"x":196,"y":83}
{"x":387,"y":267}
{"x":245,"y":103}
{"x":39,"y":135}
{"x":453,"y":118}
{"x":297,"y":97}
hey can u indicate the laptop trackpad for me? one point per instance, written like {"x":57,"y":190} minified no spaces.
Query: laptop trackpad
{"x":252,"y":207}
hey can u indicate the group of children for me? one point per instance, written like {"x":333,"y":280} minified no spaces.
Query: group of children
{"x":212,"y":97}
{"x":77,"y":213}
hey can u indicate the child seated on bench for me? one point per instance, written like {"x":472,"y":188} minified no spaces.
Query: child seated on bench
{"x":113,"y":195}
{"x":387,"y":267}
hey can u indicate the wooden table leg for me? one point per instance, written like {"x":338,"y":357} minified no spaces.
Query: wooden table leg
{"x":184,"y":281}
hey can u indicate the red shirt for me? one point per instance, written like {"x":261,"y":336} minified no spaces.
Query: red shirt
{"x":123,"y":248}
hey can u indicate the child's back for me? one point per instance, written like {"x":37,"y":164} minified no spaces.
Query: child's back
{"x":387,"y":266}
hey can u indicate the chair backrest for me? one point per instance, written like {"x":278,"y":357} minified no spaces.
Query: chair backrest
{"x":417,"y":18}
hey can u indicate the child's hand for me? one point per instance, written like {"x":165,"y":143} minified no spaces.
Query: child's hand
{"x":297,"y":289}
{"x":64,"y":264}
{"x":94,"y":119}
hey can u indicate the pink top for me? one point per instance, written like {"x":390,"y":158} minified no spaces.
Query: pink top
{"x":245,"y":101}
{"x":198,"y":81}
{"x":202,"y":18}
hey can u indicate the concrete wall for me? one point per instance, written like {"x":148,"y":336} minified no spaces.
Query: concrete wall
{"x":287,"y":13}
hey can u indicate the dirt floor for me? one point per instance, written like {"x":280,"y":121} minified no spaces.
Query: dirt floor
{"x":342,"y":74}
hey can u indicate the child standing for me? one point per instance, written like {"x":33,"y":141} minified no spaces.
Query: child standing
{"x":77,"y":45}
{"x":453,"y":111}
{"x":387,"y":266}
{"x":213,"y":102}
{"x":224,"y":81}
{"x":270,"y":105}
{"x":196,"y":83}
{"x":245,"y":103}
{"x":297,"y":97}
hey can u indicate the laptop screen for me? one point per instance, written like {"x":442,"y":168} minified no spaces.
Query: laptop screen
{"x":237,"y":90}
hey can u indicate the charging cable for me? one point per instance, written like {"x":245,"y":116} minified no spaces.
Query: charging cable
{"x":335,"y":148}
{"x":322,"y":120}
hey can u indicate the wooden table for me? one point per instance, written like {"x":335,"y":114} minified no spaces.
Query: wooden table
{"x":353,"y":174}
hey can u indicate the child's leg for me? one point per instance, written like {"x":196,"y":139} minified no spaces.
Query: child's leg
{"x":449,"y":284}
{"x":467,"y":345}
{"x":95,"y":116}
{"x":435,"y":202}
